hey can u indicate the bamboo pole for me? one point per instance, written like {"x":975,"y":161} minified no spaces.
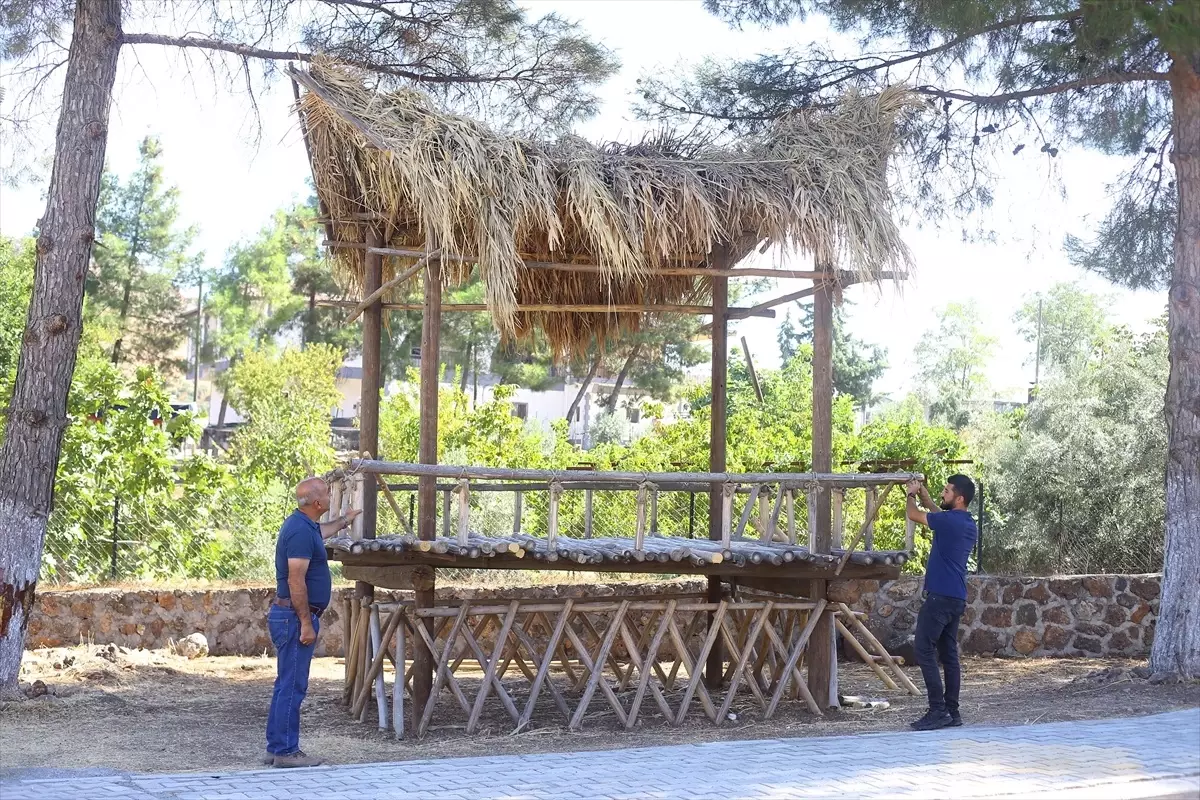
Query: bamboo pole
{"x":870,"y":522}
{"x":887,"y":657}
{"x":398,"y":684}
{"x":396,"y":281}
{"x":864,"y":655}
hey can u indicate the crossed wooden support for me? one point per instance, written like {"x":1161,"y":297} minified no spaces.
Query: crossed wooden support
{"x":622,"y":650}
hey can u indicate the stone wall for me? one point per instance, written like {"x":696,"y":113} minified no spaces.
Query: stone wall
{"x":1076,"y":615}
{"x":1087,"y":615}
{"x":234,"y":620}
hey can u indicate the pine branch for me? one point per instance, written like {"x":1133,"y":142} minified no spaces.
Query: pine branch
{"x":247,"y":51}
{"x":1107,"y":79}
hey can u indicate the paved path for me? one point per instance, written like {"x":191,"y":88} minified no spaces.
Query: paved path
{"x":1147,"y":757}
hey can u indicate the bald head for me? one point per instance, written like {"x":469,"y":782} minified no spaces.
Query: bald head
{"x":312,"y":496}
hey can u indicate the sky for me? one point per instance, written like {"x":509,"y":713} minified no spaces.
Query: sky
{"x":230,"y":185}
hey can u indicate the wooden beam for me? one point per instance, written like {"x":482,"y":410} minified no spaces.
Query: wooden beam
{"x":841,"y":276}
{"x":821,"y":674}
{"x":714,"y":667}
{"x":423,"y":661}
{"x":753,"y":374}
{"x":551,"y":308}
{"x":778,"y":301}
{"x":369,"y":397}
{"x":356,"y":122}
{"x":396,"y":281}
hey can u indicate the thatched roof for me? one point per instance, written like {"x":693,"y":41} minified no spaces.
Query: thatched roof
{"x":815,"y":183}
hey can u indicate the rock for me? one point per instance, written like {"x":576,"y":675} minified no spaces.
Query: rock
{"x":1025,"y":642}
{"x":997,"y":616}
{"x":1119,"y":642}
{"x":848,"y":592}
{"x":1038,"y":592}
{"x":1114,"y":616}
{"x":1145,"y":588}
{"x":968,"y":616}
{"x":1139,"y":614}
{"x":972,"y":591}
{"x":1066,"y":587}
{"x":1097,"y":586}
{"x":1085,"y":610}
{"x":1122,"y":584}
{"x":1011,"y":594}
{"x":1126,"y":600}
{"x":166,"y":600}
{"x":1027,"y":614}
{"x":905,"y":648}
{"x":1091,"y":629}
{"x":884,"y":611}
{"x":990,"y":593}
{"x":902,"y":589}
{"x":983,"y":641}
{"x":1087,"y":644}
{"x":37,"y":689}
{"x":904,"y":618}
{"x":1055,"y":638}
{"x":194,"y":646}
{"x":1057,"y":615}
{"x":1158,"y":679}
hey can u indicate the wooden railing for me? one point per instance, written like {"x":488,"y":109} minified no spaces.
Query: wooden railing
{"x":769,"y":509}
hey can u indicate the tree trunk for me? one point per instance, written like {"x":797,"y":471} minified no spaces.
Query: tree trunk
{"x":621,"y":376}
{"x":38,"y":413}
{"x":587,"y":381}
{"x":1176,"y":647}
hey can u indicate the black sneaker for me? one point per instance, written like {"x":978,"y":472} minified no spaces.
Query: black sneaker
{"x":932,"y":721}
{"x":955,"y":720}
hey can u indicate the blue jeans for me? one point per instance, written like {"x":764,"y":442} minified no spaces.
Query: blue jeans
{"x":291,"y":681}
{"x":937,"y":640}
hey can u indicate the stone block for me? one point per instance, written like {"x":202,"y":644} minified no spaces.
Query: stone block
{"x":1066,"y":588}
{"x":997,"y":616}
{"x":1027,"y":614}
{"x":166,"y":601}
{"x":972,"y":591}
{"x":990,"y":593}
{"x":1091,"y":629}
{"x":1085,"y":609}
{"x":1025,"y":641}
{"x":1126,"y":600}
{"x":1119,"y":642}
{"x":1059,"y":615}
{"x":902,"y":589}
{"x":1121,"y":583}
{"x":968,"y":616}
{"x":1088,"y":644}
{"x":1115,"y":616}
{"x":904,"y":618}
{"x":1098,"y":586}
{"x":1011,"y":593}
{"x":884,"y":611}
{"x":1055,"y":639}
{"x":1139,"y":613}
{"x":1037,"y":592}
{"x":983,"y":641}
{"x":1145,"y":588}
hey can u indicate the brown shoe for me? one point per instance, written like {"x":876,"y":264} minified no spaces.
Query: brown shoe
{"x":268,"y":759}
{"x":296,"y":759}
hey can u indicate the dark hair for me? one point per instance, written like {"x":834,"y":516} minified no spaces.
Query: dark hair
{"x":964,"y":486}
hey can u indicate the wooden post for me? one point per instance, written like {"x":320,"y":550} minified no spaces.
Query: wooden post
{"x":822,"y":676}
{"x":715,"y":666}
{"x":423,"y":659}
{"x":368,"y":408}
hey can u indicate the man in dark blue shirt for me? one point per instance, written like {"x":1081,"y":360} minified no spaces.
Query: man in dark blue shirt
{"x":303,"y":587}
{"x":945,"y":594}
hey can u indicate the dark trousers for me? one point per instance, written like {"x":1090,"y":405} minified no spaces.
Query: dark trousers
{"x":291,"y":681}
{"x":937,"y":640}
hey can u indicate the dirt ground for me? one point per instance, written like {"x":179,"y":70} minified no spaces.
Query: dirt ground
{"x":153,"y":711}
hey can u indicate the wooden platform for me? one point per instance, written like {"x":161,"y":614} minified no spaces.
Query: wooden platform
{"x":658,"y":554}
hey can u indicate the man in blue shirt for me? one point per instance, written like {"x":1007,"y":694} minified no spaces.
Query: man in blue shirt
{"x":954,"y":535}
{"x":303,"y":587}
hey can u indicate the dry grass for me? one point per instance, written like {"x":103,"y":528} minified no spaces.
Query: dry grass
{"x":153,"y":711}
{"x":815,"y":182}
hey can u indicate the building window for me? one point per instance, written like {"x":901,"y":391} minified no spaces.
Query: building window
{"x":521,"y":410}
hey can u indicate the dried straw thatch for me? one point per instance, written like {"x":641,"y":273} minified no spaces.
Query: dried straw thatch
{"x":815,"y":183}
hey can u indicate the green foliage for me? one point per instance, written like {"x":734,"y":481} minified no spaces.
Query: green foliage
{"x":286,"y":399}
{"x":1072,"y":323}
{"x":856,"y":364}
{"x":1076,"y":481}
{"x":16,"y":285}
{"x":951,"y":361}
{"x":139,"y":260}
